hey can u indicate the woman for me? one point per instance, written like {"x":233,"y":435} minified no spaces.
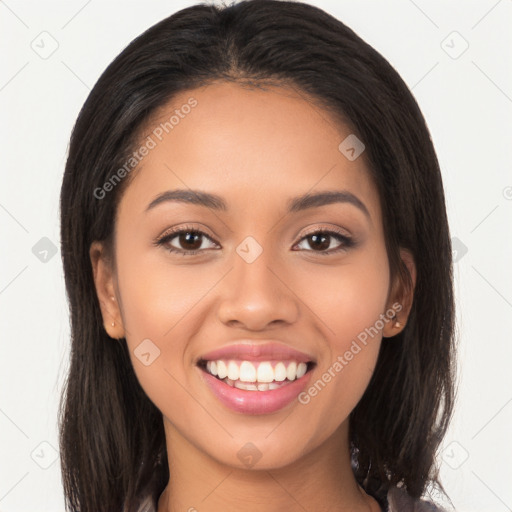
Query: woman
{"x":258,"y":264}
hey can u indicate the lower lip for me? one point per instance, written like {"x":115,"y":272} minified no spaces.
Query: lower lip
{"x":255,"y":402}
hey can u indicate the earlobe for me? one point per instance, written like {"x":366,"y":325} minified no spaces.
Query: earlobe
{"x":105,"y":290}
{"x":402,"y":298}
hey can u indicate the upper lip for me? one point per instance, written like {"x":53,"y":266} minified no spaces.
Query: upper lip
{"x":250,"y":351}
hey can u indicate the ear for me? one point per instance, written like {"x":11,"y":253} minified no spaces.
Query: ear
{"x":106,"y":290}
{"x":401,"y":297}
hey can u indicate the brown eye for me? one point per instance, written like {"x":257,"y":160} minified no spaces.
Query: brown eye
{"x":185,"y":241}
{"x":320,"y":242}
{"x":189,"y":240}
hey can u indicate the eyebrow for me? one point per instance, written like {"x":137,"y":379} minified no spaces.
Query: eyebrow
{"x":295,"y":204}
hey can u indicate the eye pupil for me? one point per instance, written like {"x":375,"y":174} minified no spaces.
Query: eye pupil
{"x":187,"y":237}
{"x":321,"y":245}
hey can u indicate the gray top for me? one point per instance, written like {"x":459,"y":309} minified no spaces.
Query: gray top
{"x":398,"y":501}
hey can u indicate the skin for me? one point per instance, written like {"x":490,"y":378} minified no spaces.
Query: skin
{"x":255,"y":148}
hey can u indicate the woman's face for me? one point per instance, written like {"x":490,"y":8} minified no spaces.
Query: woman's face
{"x":259,"y":275}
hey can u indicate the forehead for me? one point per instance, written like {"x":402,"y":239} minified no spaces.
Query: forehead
{"x":263,"y":145}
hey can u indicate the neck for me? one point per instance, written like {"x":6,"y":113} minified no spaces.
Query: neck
{"x":321,"y":480}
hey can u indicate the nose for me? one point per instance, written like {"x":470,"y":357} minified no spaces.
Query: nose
{"x":257,"y":295}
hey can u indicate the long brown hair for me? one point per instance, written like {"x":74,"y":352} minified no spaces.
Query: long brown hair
{"x":112,"y":440}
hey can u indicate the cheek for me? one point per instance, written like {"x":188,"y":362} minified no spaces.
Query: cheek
{"x":349,"y":300}
{"x":160,"y":305}
{"x":157,"y":294}
{"x":350,"y":297}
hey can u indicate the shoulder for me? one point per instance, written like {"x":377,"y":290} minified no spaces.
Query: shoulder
{"x":400,"y":501}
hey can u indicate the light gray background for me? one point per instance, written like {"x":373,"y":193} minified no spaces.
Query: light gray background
{"x":466,"y":97}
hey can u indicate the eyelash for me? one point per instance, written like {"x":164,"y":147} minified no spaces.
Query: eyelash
{"x":347,"y":242}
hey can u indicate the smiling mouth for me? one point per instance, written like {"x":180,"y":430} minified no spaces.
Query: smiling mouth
{"x":256,"y":375}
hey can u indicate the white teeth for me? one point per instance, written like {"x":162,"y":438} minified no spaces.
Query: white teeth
{"x":233,"y":371}
{"x":211,"y":366}
{"x":247,"y":372}
{"x":265,"y":372}
{"x":261,"y":374}
{"x":280,"y":372}
{"x":222,"y":371}
{"x":301,"y":370}
{"x":247,"y":386}
{"x":291,"y":372}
